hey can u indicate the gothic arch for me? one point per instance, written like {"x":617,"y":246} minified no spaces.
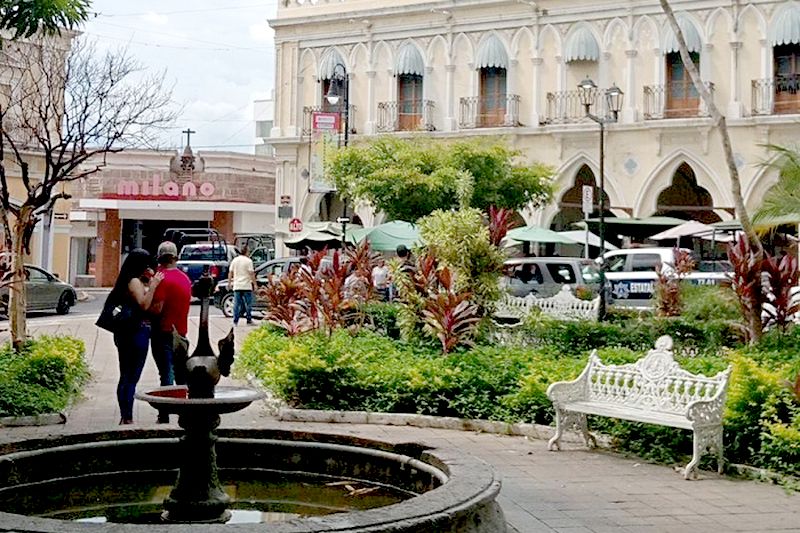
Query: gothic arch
{"x":685,"y":18}
{"x":333,"y":50}
{"x":360,"y":48}
{"x":751,"y":10}
{"x":517,"y":40}
{"x":640,"y":25}
{"x":430,"y":53}
{"x":780,"y":13}
{"x":468,"y":52}
{"x":609,"y":32}
{"x":661,"y":177}
{"x":308,"y":57}
{"x":712,"y":21}
{"x":766,"y":176}
{"x":553,"y":32}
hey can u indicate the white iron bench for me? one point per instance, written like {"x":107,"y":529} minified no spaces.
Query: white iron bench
{"x":563,"y":305}
{"x":654,"y":389}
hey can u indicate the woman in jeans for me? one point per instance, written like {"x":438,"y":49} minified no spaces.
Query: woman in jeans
{"x":134,"y":287}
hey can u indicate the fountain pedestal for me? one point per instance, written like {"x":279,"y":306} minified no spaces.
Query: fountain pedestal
{"x":197,"y":495}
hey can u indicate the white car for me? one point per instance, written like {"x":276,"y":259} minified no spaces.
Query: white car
{"x":631,"y":274}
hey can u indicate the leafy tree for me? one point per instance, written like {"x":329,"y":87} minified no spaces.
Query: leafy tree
{"x":26,"y":17}
{"x":65,"y":110}
{"x":410,"y":178}
{"x":781,"y":204}
{"x":460,"y":240}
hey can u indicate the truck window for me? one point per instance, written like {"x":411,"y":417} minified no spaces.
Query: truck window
{"x":561,"y":272}
{"x":644,"y":262}
{"x":616,"y":263}
{"x":202,"y":253}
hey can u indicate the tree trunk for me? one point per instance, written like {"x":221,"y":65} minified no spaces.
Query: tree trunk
{"x":18,"y":298}
{"x":727,"y":147}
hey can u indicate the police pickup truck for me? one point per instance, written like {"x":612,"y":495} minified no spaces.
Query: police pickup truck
{"x":631,"y":274}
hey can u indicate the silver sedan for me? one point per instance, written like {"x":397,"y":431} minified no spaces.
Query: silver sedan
{"x":45,"y":292}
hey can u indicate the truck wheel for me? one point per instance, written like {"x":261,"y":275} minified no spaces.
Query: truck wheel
{"x":227,"y":305}
{"x":64,"y":303}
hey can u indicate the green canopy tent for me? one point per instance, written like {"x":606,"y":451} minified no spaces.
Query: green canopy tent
{"x":319,"y":235}
{"x":537,"y":234}
{"x":387,"y":237}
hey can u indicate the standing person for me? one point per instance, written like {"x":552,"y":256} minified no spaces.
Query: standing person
{"x":170,"y":308}
{"x":406,"y":263}
{"x":380,"y":279}
{"x":242,"y":278}
{"x":134,"y":288}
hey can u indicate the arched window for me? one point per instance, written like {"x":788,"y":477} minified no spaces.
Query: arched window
{"x":409,"y":69}
{"x":685,"y":199}
{"x":682,"y":99}
{"x":328,"y":76}
{"x":786,"y":60}
{"x":492,"y":63}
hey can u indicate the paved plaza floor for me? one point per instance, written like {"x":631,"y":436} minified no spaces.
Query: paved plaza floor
{"x":573,"y":491}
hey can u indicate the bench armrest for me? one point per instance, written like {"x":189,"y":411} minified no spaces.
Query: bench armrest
{"x":709,"y":412}
{"x":562,"y":392}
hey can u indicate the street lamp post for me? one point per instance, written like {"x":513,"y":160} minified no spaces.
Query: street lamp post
{"x":587,"y":91}
{"x":338,"y":77}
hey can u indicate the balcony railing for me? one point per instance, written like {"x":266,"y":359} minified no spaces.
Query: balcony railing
{"x":779,"y":95}
{"x":310,"y":109}
{"x":564,"y":107}
{"x":489,"y":111}
{"x":676,"y":99}
{"x":406,"y":115}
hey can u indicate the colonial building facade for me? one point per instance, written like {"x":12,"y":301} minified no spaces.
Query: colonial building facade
{"x":510,"y":68}
{"x":138,"y":194}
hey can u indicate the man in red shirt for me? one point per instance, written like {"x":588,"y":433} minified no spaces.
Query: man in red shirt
{"x":171,"y":307}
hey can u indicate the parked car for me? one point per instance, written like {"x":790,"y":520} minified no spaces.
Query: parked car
{"x":631,"y":274}
{"x":223,"y":295}
{"x":544,"y":276}
{"x":44,"y":290}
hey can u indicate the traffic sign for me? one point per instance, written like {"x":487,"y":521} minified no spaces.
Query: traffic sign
{"x":588,"y":199}
{"x":295,"y":225}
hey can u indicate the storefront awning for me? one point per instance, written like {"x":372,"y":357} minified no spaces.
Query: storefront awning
{"x":328,"y":64}
{"x":491,"y":54}
{"x":786,"y":28}
{"x":693,"y":42}
{"x":409,"y":61}
{"x":581,"y":46}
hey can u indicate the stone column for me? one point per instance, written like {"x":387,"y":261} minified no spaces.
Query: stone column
{"x":629,"y":110}
{"x":279,"y":96}
{"x":735,"y":109}
{"x":369,"y":127}
{"x":536,"y":90}
{"x":450,"y":121}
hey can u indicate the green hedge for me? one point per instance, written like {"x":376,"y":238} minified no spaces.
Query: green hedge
{"x":368,"y":371}
{"x":43,"y":378}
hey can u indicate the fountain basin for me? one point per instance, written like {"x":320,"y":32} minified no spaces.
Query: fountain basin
{"x":174,"y":399}
{"x":436,"y":489}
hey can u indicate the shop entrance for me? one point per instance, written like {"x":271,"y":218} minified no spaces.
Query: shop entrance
{"x":148,"y":234}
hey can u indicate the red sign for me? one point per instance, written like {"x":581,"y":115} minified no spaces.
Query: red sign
{"x":295,"y":225}
{"x":324,"y":121}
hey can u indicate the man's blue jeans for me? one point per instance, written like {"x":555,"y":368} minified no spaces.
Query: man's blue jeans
{"x":242,"y":304}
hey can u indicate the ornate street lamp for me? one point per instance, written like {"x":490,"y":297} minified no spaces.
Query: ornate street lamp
{"x":587,"y":92}
{"x":339,"y":78}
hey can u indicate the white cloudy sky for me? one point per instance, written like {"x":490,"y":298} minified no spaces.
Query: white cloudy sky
{"x":220,"y":59}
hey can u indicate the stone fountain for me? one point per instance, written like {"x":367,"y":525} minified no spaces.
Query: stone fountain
{"x":198,"y":495}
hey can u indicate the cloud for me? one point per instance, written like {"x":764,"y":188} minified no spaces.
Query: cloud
{"x":155,"y":18}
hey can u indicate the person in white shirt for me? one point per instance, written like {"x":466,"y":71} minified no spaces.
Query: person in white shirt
{"x":242,"y":279}
{"x":380,"y":278}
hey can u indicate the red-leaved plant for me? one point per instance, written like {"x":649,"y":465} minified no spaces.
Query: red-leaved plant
{"x":499,"y":224}
{"x":334,"y":304}
{"x":283,"y":297}
{"x":450,"y":316}
{"x":362,"y":260}
{"x":668,"y":282}
{"x":779,"y":306}
{"x":746,"y":283}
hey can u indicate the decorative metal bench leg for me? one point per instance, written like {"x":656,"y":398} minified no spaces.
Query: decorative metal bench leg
{"x":591,"y":442}
{"x":697,"y":450}
{"x":554,"y":443}
{"x":720,"y":458}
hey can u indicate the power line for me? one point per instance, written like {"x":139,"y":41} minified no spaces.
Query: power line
{"x":178,"y":36}
{"x":144,"y":13}
{"x":178,"y":47}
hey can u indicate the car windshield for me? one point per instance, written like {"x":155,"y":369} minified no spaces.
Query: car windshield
{"x":590,"y":272}
{"x":205,"y":252}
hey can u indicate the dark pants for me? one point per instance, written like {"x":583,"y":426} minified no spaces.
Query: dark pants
{"x":242,"y":304}
{"x":164,"y":356}
{"x":132,"y":350}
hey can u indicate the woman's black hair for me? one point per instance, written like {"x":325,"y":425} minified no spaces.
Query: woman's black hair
{"x":134,"y":266}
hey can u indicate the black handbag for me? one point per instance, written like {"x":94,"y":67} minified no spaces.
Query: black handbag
{"x":116,"y":316}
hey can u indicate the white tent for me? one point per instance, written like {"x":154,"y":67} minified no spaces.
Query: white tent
{"x":580,"y":236}
{"x":687,"y":229}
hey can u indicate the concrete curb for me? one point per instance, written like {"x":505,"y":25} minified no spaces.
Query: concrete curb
{"x":531,"y":431}
{"x":47,"y":419}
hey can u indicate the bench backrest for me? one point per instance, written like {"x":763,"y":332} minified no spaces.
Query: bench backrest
{"x":562,"y":305}
{"x":654,"y":383}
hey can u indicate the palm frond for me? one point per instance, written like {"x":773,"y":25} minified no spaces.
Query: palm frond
{"x":781,"y":203}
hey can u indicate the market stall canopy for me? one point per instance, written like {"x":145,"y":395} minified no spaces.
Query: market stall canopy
{"x":387,"y":237}
{"x":537,"y":234}
{"x":687,"y":229}
{"x":638,"y":228}
{"x":581,"y":234}
{"x":318,"y":235}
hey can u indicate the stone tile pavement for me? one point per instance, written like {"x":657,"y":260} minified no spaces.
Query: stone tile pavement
{"x":573,"y":491}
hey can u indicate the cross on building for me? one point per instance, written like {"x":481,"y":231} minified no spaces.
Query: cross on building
{"x":188,"y":133}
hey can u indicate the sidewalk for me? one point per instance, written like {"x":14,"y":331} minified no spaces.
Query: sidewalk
{"x":573,"y":491}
